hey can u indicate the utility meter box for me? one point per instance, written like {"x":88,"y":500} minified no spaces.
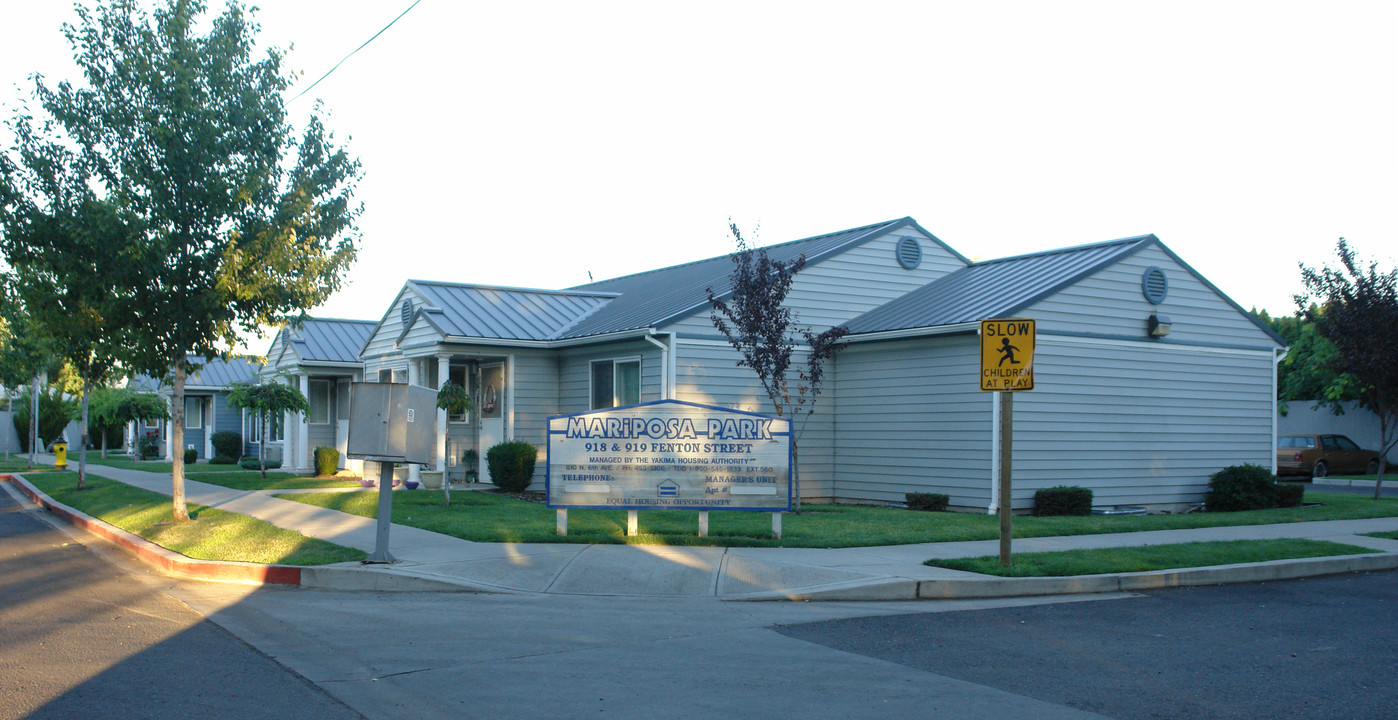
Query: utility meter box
{"x":392,"y":422}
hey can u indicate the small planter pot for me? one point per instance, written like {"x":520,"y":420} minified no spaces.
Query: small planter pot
{"x":366,"y":482}
{"x":410,"y":484}
{"x":431,"y":479}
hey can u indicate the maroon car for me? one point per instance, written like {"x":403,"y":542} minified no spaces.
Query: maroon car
{"x":1322,"y":455}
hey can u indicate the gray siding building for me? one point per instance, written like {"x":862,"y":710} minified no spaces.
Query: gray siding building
{"x":1137,"y":414}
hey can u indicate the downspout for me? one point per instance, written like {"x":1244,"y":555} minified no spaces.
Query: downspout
{"x":1279,"y":355}
{"x":666,"y":386}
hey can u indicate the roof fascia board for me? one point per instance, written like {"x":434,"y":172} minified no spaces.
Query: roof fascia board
{"x":937,"y":240}
{"x":423,"y":313}
{"x":379,"y":325}
{"x":547,"y":344}
{"x":511,"y":288}
{"x":915,"y":332}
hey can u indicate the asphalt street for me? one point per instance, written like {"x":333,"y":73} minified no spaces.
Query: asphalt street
{"x":81,"y":638}
{"x":1316,"y":648}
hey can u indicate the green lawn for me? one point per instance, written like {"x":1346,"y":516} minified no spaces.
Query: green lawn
{"x":252,"y":480}
{"x":210,"y":535}
{"x":1150,"y":557}
{"x":155,"y":466}
{"x":485,"y":517}
{"x":18,"y":463}
{"x":1385,"y":535}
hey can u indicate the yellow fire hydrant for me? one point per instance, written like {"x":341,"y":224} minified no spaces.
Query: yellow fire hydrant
{"x":60,"y":451}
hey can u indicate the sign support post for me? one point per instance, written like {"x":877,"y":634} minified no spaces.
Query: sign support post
{"x":1007,"y":400}
{"x":381,"y":553}
{"x":1007,"y":367}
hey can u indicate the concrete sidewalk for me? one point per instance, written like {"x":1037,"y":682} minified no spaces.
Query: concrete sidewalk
{"x":429,"y":560}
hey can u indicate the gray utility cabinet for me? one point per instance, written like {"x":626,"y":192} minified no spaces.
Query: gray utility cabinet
{"x":392,"y":422}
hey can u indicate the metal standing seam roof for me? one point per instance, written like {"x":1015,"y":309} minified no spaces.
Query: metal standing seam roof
{"x":215,"y":374}
{"x":650,"y":298}
{"x":485,"y":311}
{"x":329,"y":340}
{"x":994,"y":288}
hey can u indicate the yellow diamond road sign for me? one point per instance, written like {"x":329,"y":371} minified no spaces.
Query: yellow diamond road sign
{"x":1007,"y":355}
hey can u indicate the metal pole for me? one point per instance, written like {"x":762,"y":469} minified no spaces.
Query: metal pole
{"x":1006,"y":436}
{"x":381,"y":553}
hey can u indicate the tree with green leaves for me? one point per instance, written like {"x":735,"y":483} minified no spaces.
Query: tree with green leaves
{"x":235,"y":222}
{"x":26,"y":355}
{"x":1355,"y":307}
{"x":267,"y":401}
{"x":1306,"y":373}
{"x":753,"y":316}
{"x":120,"y":406}
{"x":67,"y":249}
{"x":453,"y":398}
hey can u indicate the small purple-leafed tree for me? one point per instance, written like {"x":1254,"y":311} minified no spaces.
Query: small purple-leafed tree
{"x":1356,"y":308}
{"x":753,"y":316}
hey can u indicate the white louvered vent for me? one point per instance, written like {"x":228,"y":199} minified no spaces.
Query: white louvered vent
{"x":909,"y":253}
{"x":1154,"y":285}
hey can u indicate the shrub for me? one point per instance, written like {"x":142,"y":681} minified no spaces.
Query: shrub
{"x":221,"y":460}
{"x":1290,"y":494}
{"x":148,"y":445}
{"x":1241,"y":487}
{"x":927,"y":501}
{"x":190,"y":456}
{"x":251,"y":463}
{"x":1063,"y":500}
{"x":227,"y":443}
{"x":54,"y":414}
{"x":511,"y":465}
{"x":327,"y":460}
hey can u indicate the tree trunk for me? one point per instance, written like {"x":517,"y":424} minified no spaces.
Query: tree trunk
{"x":795,"y":478}
{"x":82,"y":450}
{"x":1385,"y":442}
{"x":181,"y":510}
{"x":34,"y":421}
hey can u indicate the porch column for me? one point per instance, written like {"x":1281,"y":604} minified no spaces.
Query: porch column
{"x":303,"y":429}
{"x":170,"y":404}
{"x":209,"y":428}
{"x":288,"y":418}
{"x":415,"y":378}
{"x":443,"y":374}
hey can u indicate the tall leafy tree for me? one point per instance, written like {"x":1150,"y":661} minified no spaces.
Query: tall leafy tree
{"x":67,"y":249}
{"x":1306,"y":374}
{"x":236,"y":221}
{"x":454,"y":398}
{"x":267,"y":402}
{"x":757,"y":323}
{"x":1355,"y":307}
{"x":26,"y":354}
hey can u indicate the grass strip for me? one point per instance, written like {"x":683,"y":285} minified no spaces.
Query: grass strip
{"x":1149,"y":557}
{"x":252,"y":480}
{"x":209,"y":535}
{"x":1385,"y":535}
{"x":486,"y":517}
{"x":155,"y":466}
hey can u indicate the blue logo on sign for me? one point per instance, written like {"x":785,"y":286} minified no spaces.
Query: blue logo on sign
{"x":669,"y":489}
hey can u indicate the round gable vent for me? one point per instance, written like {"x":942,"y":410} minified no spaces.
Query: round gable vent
{"x":407,"y":311}
{"x":1154,"y":285}
{"x":909,"y":253}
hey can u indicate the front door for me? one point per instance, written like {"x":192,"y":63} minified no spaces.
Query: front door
{"x":342,"y":420}
{"x":491,"y":402}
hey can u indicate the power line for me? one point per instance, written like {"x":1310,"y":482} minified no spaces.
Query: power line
{"x":361,"y":47}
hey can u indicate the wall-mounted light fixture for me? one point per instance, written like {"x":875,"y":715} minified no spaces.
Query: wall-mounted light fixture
{"x":1158,"y":325}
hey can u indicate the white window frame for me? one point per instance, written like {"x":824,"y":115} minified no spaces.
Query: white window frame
{"x":324,"y":419}
{"x":616,"y":401}
{"x":195,"y":417}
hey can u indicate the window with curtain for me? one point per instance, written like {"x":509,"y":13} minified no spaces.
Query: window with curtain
{"x":616,"y":383}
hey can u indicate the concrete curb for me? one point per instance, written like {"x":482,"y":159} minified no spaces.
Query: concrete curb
{"x":993,"y":587}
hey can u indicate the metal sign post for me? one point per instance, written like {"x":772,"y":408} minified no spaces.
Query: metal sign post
{"x":1007,"y":367}
{"x":390,"y":423}
{"x":381,"y":553}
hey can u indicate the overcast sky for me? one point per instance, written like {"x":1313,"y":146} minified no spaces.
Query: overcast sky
{"x":530,"y":143}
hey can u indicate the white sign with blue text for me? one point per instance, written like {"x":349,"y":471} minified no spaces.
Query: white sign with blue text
{"x":669,"y":455}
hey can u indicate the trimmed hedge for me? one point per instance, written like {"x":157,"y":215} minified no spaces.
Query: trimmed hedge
{"x":251,"y":463}
{"x":1063,"y":500}
{"x":327,"y":460}
{"x":1290,"y":494}
{"x":221,"y":460}
{"x":227,"y":443}
{"x":1241,"y":487}
{"x":934,"y":502}
{"x":511,"y":465}
{"x":190,"y":456}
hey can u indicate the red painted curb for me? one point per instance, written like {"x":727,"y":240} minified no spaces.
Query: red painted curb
{"x":166,"y":561}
